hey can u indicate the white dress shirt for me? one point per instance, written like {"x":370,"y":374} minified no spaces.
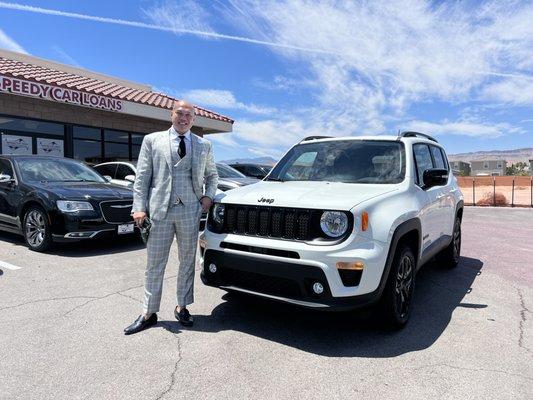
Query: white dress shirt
{"x":175,"y":141}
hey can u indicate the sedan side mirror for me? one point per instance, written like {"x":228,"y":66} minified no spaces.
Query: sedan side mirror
{"x":130,"y":178}
{"x":435,"y":177}
{"x":6,"y":178}
{"x":107,"y":178}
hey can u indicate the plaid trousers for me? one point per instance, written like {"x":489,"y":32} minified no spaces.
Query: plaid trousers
{"x":182,"y":221}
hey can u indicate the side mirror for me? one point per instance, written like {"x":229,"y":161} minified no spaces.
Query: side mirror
{"x":6,"y":178}
{"x":107,"y":178}
{"x":130,"y":178}
{"x":435,"y":177}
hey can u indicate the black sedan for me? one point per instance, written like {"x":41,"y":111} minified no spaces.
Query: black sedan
{"x":53,"y":199}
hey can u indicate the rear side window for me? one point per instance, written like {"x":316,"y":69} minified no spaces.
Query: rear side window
{"x":107,"y":169}
{"x":437,"y":156}
{"x":423,"y":161}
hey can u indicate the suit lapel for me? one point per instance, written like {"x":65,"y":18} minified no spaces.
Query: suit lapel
{"x":167,"y":149}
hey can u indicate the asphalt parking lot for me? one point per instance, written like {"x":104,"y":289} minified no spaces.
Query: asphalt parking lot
{"x":62,"y":316}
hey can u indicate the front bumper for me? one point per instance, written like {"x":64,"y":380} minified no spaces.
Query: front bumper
{"x":84,"y":225}
{"x":289,"y":281}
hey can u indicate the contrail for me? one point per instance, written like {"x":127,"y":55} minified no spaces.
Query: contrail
{"x":137,"y":24}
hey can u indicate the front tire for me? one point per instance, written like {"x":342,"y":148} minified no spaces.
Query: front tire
{"x":36,"y":229}
{"x":398,"y":294}
{"x":451,"y":255}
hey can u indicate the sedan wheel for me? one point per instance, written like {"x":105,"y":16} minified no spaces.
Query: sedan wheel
{"x":37,"y":230}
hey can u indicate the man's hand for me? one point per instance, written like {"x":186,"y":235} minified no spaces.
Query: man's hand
{"x":206,"y":203}
{"x":139,"y":217}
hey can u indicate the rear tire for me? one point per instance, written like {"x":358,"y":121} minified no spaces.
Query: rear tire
{"x":450,"y":256}
{"x":36,"y":229}
{"x":398,"y":293}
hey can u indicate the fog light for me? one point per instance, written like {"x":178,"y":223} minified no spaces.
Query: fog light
{"x":318,"y":288}
{"x":212,"y":268}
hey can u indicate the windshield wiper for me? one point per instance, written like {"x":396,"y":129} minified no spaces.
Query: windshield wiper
{"x":271,"y":178}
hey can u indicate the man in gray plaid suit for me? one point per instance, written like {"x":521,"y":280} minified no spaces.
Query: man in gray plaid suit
{"x":172,"y":169}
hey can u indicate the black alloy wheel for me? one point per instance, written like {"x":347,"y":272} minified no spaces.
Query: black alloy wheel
{"x":37,"y":229}
{"x":398,"y":295}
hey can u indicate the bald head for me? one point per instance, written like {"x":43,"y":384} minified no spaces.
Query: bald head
{"x":182,"y":115}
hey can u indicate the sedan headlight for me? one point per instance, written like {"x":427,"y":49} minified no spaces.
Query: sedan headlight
{"x":334,"y":223}
{"x":218,"y":213}
{"x":69,"y":206}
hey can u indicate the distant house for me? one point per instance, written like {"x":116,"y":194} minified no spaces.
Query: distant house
{"x":460,"y":168}
{"x":488,"y":167}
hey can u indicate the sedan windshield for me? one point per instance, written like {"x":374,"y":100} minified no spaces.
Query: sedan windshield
{"x":349,"y":161}
{"x":57,"y":170}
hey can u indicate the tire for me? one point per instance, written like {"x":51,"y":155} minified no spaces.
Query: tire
{"x":396,"y":302}
{"x":36,"y":229}
{"x":450,"y":256}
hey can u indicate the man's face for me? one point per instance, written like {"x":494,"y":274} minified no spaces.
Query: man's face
{"x":182,"y":117}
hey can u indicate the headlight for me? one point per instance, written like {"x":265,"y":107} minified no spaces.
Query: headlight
{"x":334,"y":223}
{"x":74,"y":206}
{"x":218,"y":213}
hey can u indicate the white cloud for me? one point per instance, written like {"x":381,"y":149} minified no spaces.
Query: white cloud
{"x":514,"y":91}
{"x":465,"y":128}
{"x":8,"y":43}
{"x":185,"y":15}
{"x":223,"y":99}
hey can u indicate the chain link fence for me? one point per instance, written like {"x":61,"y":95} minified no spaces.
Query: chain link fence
{"x":505,"y":191}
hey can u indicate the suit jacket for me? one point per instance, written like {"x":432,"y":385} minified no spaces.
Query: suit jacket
{"x":153,"y":182}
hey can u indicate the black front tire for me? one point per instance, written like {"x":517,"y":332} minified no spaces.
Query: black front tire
{"x":36,"y":229}
{"x":450,"y":256}
{"x":396,"y":302}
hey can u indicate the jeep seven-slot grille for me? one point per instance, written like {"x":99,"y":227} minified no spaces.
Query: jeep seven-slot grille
{"x":276,"y":222}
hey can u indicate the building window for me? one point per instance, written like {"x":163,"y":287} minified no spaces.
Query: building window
{"x":88,"y":150}
{"x":499,"y":164}
{"x":116,"y":151}
{"x":32,"y":126}
{"x":485,"y":164}
{"x":83,"y":132}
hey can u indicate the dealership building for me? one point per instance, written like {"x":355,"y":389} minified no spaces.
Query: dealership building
{"x":48,"y":108}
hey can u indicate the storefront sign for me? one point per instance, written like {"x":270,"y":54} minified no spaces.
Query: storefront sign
{"x":59,"y":94}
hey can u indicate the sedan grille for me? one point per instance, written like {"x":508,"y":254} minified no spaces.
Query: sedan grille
{"x":117,"y":211}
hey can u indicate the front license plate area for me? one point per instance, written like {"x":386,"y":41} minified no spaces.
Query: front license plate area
{"x":125,"y":228}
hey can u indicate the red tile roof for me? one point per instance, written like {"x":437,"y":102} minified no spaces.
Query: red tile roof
{"x":37,"y":73}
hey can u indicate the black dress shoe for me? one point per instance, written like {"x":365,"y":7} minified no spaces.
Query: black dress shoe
{"x":141,"y":324}
{"x":184,"y":317}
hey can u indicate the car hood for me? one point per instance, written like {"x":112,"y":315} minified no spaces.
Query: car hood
{"x":87,"y":190}
{"x":299,"y":194}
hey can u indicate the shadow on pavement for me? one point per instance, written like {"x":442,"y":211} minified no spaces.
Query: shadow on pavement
{"x":349,"y":334}
{"x":85,"y":248}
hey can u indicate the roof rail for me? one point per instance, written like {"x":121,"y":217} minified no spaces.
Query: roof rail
{"x":415,"y":134}
{"x":315,"y":137}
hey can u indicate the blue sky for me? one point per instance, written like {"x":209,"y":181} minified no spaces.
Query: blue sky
{"x":462,"y":71}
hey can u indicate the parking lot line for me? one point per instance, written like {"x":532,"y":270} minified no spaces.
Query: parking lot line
{"x":6,"y":265}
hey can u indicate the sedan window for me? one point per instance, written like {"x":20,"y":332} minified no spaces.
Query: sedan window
{"x":56,"y":170}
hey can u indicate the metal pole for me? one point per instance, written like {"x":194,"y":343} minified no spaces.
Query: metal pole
{"x":493,"y":191}
{"x":474,"y":191}
{"x":512,"y":195}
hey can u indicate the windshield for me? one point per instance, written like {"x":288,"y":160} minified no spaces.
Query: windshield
{"x":57,"y":170}
{"x":349,"y":161}
{"x":225,"y":171}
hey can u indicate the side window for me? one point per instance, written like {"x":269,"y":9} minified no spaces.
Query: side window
{"x":123,"y":171}
{"x":107,"y":169}
{"x":6,"y":168}
{"x":423,"y":161}
{"x":437,"y":156}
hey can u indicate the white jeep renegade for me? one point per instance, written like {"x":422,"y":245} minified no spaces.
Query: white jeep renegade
{"x":338,"y":223}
